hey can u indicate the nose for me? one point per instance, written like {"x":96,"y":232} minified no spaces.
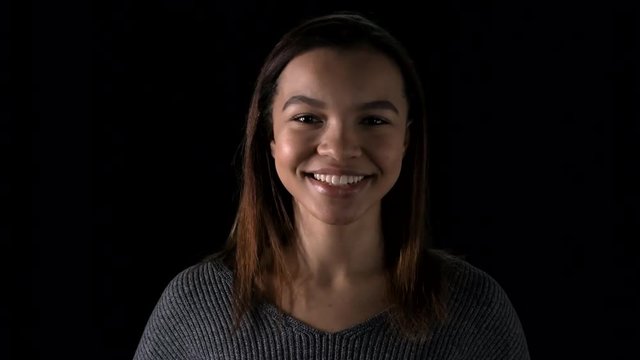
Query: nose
{"x":339,"y":141}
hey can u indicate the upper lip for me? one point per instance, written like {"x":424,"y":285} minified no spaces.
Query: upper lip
{"x":337,"y":171}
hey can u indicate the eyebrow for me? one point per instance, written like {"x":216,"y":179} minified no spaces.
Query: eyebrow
{"x":371,"y":105}
{"x":301,"y":99}
{"x":379,"y":105}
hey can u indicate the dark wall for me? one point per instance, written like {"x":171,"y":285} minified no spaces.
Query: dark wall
{"x":133,"y":111}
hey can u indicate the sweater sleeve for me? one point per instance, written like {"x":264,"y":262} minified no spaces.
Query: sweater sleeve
{"x":487,"y":319}
{"x":166,"y":332}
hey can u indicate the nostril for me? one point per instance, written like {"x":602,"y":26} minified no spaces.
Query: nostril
{"x":339,"y":150}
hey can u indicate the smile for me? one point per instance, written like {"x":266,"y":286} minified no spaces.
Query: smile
{"x":338,"y":180}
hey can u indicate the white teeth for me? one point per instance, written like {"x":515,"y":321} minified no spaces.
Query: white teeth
{"x":338,"y":179}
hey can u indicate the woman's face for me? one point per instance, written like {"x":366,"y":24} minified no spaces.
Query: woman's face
{"x":339,"y":128}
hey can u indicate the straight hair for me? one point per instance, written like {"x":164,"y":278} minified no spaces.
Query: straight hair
{"x":264,"y":223}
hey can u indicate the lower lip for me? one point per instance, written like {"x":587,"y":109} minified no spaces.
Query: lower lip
{"x":338,"y":191}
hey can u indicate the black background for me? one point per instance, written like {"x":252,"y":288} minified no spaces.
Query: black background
{"x":122,"y":128}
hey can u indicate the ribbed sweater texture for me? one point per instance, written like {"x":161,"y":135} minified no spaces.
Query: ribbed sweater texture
{"x":194,"y":320}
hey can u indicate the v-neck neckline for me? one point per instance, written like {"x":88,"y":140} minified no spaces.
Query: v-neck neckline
{"x":298,"y":325}
{"x":301,"y":326}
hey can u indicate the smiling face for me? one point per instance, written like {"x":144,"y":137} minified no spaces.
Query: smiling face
{"x":339,"y":132}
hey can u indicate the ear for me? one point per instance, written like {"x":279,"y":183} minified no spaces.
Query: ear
{"x":272,"y":145}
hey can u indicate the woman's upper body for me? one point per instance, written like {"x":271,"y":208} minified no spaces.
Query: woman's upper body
{"x":194,"y":320}
{"x":331,"y":224}
{"x":331,"y":229}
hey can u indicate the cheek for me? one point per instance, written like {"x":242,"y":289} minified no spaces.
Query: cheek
{"x":388,"y":150}
{"x":290,"y":150}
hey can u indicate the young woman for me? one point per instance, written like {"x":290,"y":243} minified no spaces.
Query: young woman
{"x":328,"y":256}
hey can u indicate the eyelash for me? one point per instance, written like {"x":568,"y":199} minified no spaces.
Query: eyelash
{"x":298,"y":118}
{"x":378,"y":120}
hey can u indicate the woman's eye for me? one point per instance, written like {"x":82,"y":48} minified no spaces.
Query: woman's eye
{"x":373,"y":120}
{"x":306,"y":119}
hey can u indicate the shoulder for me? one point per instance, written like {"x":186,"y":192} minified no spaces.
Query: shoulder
{"x":470,"y":284}
{"x":198,"y":282}
{"x":193,"y":304}
{"x":481,"y":313}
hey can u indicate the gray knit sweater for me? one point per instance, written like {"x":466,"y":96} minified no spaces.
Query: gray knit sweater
{"x":193,"y":320}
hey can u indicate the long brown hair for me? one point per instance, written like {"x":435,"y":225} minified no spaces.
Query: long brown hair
{"x":264,"y":227}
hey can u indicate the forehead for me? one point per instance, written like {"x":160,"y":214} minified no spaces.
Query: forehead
{"x":347,"y":74}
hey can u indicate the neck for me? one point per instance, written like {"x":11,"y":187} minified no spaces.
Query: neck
{"x":338,"y":254}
